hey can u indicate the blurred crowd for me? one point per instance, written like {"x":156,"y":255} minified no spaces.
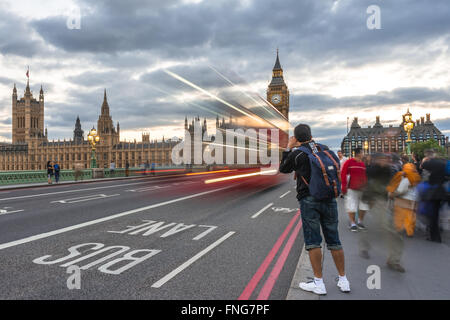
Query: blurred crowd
{"x":399,"y":192}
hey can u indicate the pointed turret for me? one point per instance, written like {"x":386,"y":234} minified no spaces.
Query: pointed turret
{"x":78,"y":133}
{"x":277,"y":65}
{"x":27,"y":89}
{"x":15,"y":90}
{"x":277,"y":73}
{"x":105,"y":106}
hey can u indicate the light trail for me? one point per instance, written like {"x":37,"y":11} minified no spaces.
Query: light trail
{"x":246,"y":94}
{"x":240,"y":176}
{"x":174,"y":75}
{"x":207,"y":172}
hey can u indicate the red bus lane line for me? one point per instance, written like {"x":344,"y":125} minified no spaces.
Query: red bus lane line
{"x":245,"y":295}
{"x":273,"y":276}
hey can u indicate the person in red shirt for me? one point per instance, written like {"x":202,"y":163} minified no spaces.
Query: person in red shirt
{"x":354,"y":179}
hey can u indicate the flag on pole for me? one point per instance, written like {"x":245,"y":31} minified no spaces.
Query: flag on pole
{"x":28,"y":72}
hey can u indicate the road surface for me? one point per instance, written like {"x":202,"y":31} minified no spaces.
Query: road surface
{"x":156,"y":238}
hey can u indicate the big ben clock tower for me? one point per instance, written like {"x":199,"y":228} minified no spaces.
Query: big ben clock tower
{"x":277,"y":92}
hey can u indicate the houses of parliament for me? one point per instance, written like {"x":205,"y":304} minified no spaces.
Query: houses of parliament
{"x":31,"y":149}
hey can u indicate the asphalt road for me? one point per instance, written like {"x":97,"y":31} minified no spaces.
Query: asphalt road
{"x":157,"y":238}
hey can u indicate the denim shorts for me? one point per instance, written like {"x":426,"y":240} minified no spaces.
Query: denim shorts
{"x":316,"y":214}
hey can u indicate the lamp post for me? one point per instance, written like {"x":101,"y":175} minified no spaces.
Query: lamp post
{"x":93,"y":139}
{"x":408,"y":126}
{"x":366,"y":146}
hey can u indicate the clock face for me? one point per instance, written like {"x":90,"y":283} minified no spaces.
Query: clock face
{"x":276,"y":99}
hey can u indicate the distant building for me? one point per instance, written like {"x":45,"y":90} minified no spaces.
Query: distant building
{"x":378,"y":138}
{"x":30,"y":148}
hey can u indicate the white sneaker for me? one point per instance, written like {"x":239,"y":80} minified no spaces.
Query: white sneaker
{"x":313,"y":287}
{"x":344,"y":285}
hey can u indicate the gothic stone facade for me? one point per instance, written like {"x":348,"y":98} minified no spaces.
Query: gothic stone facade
{"x":30,"y":148}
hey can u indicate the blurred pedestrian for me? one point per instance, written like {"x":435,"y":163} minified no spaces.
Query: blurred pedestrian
{"x":78,"y":171}
{"x":396,"y":163}
{"x":416,"y":161}
{"x":354,"y":179}
{"x":432,"y":192}
{"x":127,"y":169}
{"x":49,"y":172}
{"x":379,"y":175}
{"x":57,"y":169}
{"x":112,"y":168}
{"x":342,"y":158}
{"x":153,"y":169}
{"x":146,"y":167}
{"x":317,"y":170}
{"x":402,"y":189}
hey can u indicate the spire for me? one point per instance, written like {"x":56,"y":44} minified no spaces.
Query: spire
{"x":15,"y":89}
{"x":277,"y":65}
{"x":42,"y":91}
{"x":105,"y":106}
{"x":27,"y":89}
{"x":78,"y":133}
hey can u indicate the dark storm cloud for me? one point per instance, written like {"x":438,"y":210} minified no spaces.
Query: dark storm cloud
{"x":119,"y":40}
{"x":15,"y":36}
{"x":302,"y":28}
{"x":397,"y":96}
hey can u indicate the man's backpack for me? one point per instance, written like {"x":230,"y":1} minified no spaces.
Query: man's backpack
{"x":325,"y":182}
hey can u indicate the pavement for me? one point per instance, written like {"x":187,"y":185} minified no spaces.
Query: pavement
{"x":174,"y":237}
{"x":426,"y":265}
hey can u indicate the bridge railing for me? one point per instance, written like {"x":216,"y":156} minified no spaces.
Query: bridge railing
{"x":40,"y":176}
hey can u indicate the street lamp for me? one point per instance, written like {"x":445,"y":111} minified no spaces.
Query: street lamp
{"x":408,"y":126}
{"x":93,"y":139}
{"x":366,"y":146}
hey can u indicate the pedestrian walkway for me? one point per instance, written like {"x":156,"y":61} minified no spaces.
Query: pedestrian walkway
{"x":426,"y":265}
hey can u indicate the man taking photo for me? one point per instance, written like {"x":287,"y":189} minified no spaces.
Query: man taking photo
{"x":317,"y":171}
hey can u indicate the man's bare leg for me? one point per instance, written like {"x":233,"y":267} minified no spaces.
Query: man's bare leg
{"x":361,"y":214}
{"x":351,"y":216}
{"x":315,"y":256}
{"x":339,"y":261}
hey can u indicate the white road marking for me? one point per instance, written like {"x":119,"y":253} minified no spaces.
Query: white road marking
{"x":3,"y":211}
{"x":286,"y":210}
{"x":261,"y":211}
{"x":78,"y":190}
{"x":152,"y":188}
{"x":186,"y":264}
{"x":86,"y":198}
{"x":201,"y":235}
{"x":285,"y":194}
{"x":96,"y":221}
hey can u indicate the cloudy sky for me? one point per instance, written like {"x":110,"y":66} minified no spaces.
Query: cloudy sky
{"x":334,"y":65}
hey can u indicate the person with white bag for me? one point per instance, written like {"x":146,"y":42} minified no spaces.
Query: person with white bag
{"x":402,"y":189}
